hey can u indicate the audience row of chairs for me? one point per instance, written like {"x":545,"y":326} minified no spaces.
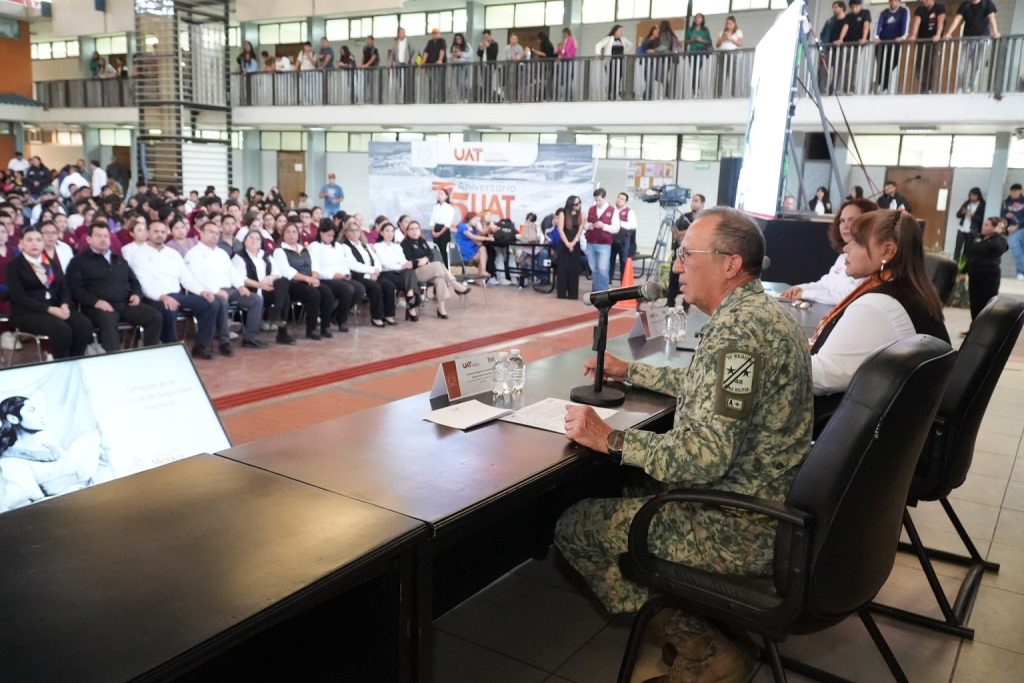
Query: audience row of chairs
{"x":904,"y":432}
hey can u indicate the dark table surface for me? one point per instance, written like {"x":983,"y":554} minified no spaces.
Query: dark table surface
{"x":391,"y":457}
{"x":146,"y":573}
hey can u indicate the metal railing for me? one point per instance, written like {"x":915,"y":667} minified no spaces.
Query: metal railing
{"x":967,"y":65}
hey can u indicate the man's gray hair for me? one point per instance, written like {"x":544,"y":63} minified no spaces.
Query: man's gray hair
{"x":737,"y":234}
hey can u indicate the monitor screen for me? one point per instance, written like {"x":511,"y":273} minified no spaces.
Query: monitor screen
{"x":764,"y":146}
{"x":75,"y":423}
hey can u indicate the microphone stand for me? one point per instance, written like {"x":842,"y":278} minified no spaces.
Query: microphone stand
{"x":599,"y":395}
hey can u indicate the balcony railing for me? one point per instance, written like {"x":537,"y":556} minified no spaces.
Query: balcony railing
{"x":968,"y":65}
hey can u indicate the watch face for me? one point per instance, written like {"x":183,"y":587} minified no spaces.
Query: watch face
{"x":615,"y":441}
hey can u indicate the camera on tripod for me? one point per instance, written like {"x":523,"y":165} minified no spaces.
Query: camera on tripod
{"x":668,"y":196}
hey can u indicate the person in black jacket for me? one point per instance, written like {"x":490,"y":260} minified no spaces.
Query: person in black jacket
{"x":106,"y":289}
{"x":41,"y":301}
{"x":984,"y":252}
{"x":37,"y":176}
{"x":971,"y":215}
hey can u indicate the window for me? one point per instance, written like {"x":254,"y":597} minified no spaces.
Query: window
{"x":115,"y":137}
{"x":659,"y":147}
{"x":633,"y":9}
{"x":444,"y":137}
{"x":548,"y":138}
{"x":875,"y":150}
{"x":336,"y":29}
{"x":699,"y":148}
{"x":925,"y":150}
{"x":460,"y":19}
{"x":598,"y":141}
{"x":1016,"y":157}
{"x":58,"y":49}
{"x":288,"y":32}
{"x":269,"y":34}
{"x":414,"y":23}
{"x":112,"y":45}
{"x":664,"y":8}
{"x":337,"y":142}
{"x":711,"y":6}
{"x":10,"y":28}
{"x":360,"y":28}
{"x":234,"y":36}
{"x":288,"y":141}
{"x":598,"y":11}
{"x":973,"y":151}
{"x":494,"y":137}
{"x":237,"y":139}
{"x":730,"y":146}
{"x":500,"y":16}
{"x":530,"y":14}
{"x":410,"y":137}
{"x":385,"y":25}
{"x":554,"y":12}
{"x":359,"y":142}
{"x":623,"y":146}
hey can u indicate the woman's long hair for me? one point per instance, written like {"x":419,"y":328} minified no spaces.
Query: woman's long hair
{"x":835,"y":238}
{"x":326,"y":226}
{"x":572,"y":214}
{"x":10,"y":406}
{"x":907,"y":265}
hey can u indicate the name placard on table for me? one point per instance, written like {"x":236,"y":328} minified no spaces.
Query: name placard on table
{"x":464,"y":376}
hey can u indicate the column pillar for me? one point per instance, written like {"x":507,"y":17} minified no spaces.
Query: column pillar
{"x":316,"y":162}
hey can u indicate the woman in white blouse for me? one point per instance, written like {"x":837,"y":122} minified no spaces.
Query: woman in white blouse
{"x":263,"y":277}
{"x":836,"y":283}
{"x":303,"y":272}
{"x":334,"y":272}
{"x":366,"y":269}
{"x":443,"y":219}
{"x":731,"y":37}
{"x":397,"y":271}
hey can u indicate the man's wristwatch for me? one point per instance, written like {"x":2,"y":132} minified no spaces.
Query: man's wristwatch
{"x":614,"y":442}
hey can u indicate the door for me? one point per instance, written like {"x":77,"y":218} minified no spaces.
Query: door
{"x":927,"y":190}
{"x":291,"y":175}
{"x":123,"y":156}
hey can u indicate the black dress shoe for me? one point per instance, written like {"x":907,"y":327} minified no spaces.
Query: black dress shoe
{"x":342,"y":327}
{"x":201,"y":352}
{"x":442,"y":316}
{"x":313,"y":334}
{"x":225,"y":349}
{"x":254,"y":344}
{"x":326,"y":333}
{"x":411,"y":318}
{"x":283,"y":337}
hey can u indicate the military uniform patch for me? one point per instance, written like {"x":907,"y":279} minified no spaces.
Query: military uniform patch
{"x":738,"y":374}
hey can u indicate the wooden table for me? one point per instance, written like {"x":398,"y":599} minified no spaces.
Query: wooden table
{"x":206,"y":567}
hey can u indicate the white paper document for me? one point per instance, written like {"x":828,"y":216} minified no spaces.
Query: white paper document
{"x":465,"y":415}
{"x":548,"y":415}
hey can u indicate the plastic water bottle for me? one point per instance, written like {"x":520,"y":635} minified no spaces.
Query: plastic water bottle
{"x":675,"y":325}
{"x":501,"y":376}
{"x":518,"y":370}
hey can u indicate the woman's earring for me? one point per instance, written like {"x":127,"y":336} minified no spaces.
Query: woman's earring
{"x":882,"y":268}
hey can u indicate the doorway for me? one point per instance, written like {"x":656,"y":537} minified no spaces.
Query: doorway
{"x":291,"y":175}
{"x":927,"y":190}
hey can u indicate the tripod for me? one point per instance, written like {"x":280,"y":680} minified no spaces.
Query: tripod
{"x":661,"y":243}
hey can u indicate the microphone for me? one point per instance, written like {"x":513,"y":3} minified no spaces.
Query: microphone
{"x":648,"y":291}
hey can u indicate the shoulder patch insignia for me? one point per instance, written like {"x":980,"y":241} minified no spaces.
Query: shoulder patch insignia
{"x":738,"y":375}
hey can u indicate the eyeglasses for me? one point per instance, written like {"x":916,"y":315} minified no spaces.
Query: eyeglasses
{"x":682,"y":253}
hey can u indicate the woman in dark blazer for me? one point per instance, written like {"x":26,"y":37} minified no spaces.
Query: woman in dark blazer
{"x":41,"y":300}
{"x":984,"y":253}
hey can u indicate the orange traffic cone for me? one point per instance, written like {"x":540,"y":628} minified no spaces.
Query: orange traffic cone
{"x":627,"y":281}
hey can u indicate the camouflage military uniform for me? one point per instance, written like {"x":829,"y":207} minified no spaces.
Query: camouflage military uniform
{"x":742,"y":424}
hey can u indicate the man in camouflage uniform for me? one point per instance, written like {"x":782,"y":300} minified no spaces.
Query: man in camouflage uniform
{"x":742,"y":423}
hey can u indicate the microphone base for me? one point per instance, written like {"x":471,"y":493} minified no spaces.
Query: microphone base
{"x":604,"y":398}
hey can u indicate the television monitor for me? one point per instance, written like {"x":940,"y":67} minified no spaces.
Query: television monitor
{"x":74,"y":423}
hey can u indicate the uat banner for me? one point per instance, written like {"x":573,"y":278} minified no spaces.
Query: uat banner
{"x":507,"y":179}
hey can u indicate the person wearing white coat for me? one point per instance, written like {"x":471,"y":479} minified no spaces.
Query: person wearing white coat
{"x":613,"y":47}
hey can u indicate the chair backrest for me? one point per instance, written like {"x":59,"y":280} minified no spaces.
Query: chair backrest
{"x":455,"y":263}
{"x":947,"y":455}
{"x":856,"y":477}
{"x":942,"y":272}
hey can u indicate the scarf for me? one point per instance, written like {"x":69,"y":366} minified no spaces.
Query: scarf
{"x":43,"y":269}
{"x":832,"y":317}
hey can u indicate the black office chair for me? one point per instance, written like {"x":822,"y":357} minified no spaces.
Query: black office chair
{"x":942,"y":271}
{"x":947,"y":456}
{"x":838,"y":529}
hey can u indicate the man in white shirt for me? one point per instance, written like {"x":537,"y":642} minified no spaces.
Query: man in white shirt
{"x":98,"y":178}
{"x":18,"y":163}
{"x":162,"y":274}
{"x":213,"y":270}
{"x":624,"y":243}
{"x":75,"y":178}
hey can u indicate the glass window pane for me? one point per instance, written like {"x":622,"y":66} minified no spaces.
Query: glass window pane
{"x":664,"y":8}
{"x":337,"y":142}
{"x":107,"y":137}
{"x":660,"y":147}
{"x":336,"y":29}
{"x":598,"y":141}
{"x":294,"y":141}
{"x":385,"y":26}
{"x":623,"y":146}
{"x":925,"y":150}
{"x":456,"y":137}
{"x":410,"y":137}
{"x":103,"y":46}
{"x":59,"y":51}
{"x":1016,"y":157}
{"x":44,"y":51}
{"x":234,"y":37}
{"x":739,"y":5}
{"x":385,"y":137}
{"x":530,"y":138}
{"x":460,"y":18}
{"x":415,"y":24}
{"x":494,"y":137}
{"x":780,"y":4}
{"x":711,"y":6}
{"x":554,"y":13}
{"x":973,"y":151}
{"x":270,"y":140}
{"x":34,"y":50}
{"x":291,"y":32}
{"x":548,"y":138}
{"x":699,"y":148}
{"x":530,"y":14}
{"x":123,"y":137}
{"x":358,"y":142}
{"x":730,"y":146}
{"x":366,"y":26}
{"x":500,"y":16}
{"x":63,"y":137}
{"x":446,"y":22}
{"x":72,"y":47}
{"x":119,"y":45}
{"x":599,"y":11}
{"x":269,"y":35}
{"x":634,"y":9}
{"x":876,"y":150}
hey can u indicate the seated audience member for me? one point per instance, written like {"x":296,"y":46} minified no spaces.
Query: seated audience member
{"x":334,"y":273}
{"x":56,"y":250}
{"x":212,"y":268}
{"x":835,"y":284}
{"x":296,"y":263}
{"x":403,"y":227}
{"x":820,"y":203}
{"x":366,"y":270}
{"x":163,"y":275}
{"x":430,"y":268}
{"x":7,"y":254}
{"x":108,"y":293}
{"x":180,"y":241}
{"x":307,"y":230}
{"x":895,"y":299}
{"x":263,"y":277}
{"x":139,"y":232}
{"x":471,"y":239}
{"x":41,"y":301}
{"x":397,"y":270}
{"x":229,"y":241}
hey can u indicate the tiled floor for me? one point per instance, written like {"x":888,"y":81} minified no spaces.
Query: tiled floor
{"x":540,"y":624}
